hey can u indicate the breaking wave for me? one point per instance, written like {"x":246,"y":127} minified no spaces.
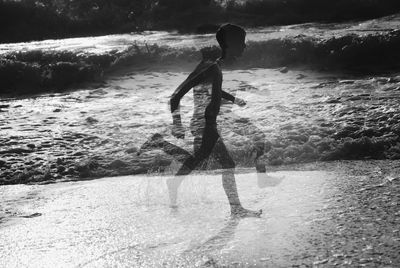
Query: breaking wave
{"x":37,"y":71}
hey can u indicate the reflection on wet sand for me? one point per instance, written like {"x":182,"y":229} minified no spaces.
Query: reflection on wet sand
{"x":334,"y":215}
{"x":214,"y":244}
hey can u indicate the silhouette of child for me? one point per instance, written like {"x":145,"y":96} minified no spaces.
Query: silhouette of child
{"x":206,"y":81}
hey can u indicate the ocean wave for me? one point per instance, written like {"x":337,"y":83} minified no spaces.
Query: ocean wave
{"x":37,"y":71}
{"x":335,"y":52}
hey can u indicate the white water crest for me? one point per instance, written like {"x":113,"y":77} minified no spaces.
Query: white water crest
{"x":120,"y":42}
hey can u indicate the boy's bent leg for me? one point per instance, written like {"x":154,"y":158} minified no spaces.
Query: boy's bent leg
{"x":174,"y":182}
{"x":173,"y":186}
{"x":210,"y":137}
{"x":258,"y":142}
{"x":259,"y":146}
{"x":157,"y":142}
{"x":208,"y":141}
{"x":177,"y":152}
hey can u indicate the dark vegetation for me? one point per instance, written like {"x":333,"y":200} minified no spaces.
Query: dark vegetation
{"x":26,"y":20}
{"x":272,"y":12}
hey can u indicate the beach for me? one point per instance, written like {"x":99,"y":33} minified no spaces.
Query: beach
{"x":322,"y":99}
{"x":334,"y":214}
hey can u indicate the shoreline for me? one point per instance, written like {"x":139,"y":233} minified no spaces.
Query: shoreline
{"x":353,"y":203}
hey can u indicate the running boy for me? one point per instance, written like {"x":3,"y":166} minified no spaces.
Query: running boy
{"x":206,"y":81}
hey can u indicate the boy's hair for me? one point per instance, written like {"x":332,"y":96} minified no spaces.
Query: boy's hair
{"x":230,"y":31}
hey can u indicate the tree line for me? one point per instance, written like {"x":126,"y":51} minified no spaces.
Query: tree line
{"x":24,"y":20}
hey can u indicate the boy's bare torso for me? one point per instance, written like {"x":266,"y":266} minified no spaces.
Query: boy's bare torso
{"x":206,"y":82}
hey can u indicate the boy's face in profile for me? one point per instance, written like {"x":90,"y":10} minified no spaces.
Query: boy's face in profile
{"x":235,"y":46}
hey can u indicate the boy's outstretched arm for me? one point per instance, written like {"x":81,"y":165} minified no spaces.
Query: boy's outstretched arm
{"x":233,"y":99}
{"x":195,"y":78}
{"x":228,"y":96}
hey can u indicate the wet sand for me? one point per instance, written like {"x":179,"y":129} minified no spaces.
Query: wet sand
{"x":336,"y":214}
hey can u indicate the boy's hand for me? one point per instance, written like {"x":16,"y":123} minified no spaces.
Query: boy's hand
{"x":178,"y":131}
{"x":240,"y":102}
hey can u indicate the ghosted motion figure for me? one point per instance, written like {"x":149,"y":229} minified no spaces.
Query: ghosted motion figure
{"x":206,"y":81}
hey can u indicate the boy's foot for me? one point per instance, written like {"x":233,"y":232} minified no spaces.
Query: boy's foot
{"x":241,"y":212}
{"x":155,"y":142}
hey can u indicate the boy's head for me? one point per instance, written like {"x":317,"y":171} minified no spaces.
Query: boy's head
{"x":231,"y":39}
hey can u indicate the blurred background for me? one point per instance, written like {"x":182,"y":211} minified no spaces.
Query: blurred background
{"x":25,"y":20}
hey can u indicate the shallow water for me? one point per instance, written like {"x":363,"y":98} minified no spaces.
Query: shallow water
{"x":293,"y":110}
{"x":305,"y":115}
{"x":337,"y":214}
